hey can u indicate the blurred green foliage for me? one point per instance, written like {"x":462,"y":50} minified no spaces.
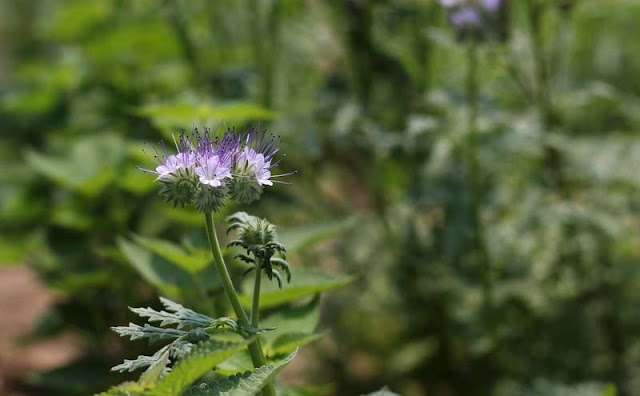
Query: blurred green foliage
{"x":498,"y":262}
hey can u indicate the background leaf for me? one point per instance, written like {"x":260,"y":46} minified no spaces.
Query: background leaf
{"x":303,"y":284}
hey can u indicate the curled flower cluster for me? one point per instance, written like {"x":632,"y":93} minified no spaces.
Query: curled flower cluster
{"x":474,"y":18}
{"x":207,"y":169}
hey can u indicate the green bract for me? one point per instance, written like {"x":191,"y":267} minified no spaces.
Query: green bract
{"x":179,"y":188}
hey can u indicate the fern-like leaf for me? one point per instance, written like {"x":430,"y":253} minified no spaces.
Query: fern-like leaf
{"x":141,"y":361}
{"x":156,"y":370}
{"x":136,"y":332}
{"x":174,"y":314}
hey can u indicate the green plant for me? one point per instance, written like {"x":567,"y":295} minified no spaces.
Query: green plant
{"x":204,"y":173}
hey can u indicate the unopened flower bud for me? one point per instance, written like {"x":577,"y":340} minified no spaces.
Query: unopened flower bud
{"x":244,"y":190}
{"x":178,"y":188}
{"x":209,"y":199}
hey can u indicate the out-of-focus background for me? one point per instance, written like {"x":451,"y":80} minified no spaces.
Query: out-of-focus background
{"x":482,"y":189}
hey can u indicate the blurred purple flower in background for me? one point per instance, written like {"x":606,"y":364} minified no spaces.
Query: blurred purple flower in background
{"x":491,"y":5}
{"x":466,"y":17}
{"x":472,"y":16}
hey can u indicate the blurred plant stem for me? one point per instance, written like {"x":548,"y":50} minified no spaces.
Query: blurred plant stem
{"x":265,"y":46}
{"x":188,"y":47}
{"x":371,"y":67}
{"x":543,"y":63}
{"x":541,"y":70}
{"x":474,"y":182}
{"x":273,"y":35}
{"x":422,"y":43}
{"x":255,"y":348}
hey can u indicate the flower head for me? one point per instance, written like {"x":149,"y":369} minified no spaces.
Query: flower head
{"x":255,"y":158}
{"x":215,"y":158}
{"x":253,"y":164}
{"x":206,"y":168}
{"x":168,"y":165}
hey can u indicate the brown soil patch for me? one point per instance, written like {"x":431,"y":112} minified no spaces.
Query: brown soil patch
{"x":22,"y":300}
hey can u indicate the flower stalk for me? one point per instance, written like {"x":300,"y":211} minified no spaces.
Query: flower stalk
{"x":255,"y":348}
{"x":475,"y":183}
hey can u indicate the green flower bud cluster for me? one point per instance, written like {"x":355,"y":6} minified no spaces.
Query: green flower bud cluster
{"x":258,"y":237}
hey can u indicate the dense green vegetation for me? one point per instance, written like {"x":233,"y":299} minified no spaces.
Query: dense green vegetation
{"x":480,"y":194}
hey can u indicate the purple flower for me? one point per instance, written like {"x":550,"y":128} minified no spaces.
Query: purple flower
{"x":212,"y":171}
{"x":207,"y":169}
{"x":476,"y":19}
{"x":215,"y":158}
{"x":491,"y":5}
{"x":255,"y":159}
{"x":256,"y":165}
{"x":253,"y":164}
{"x":467,"y":16}
{"x":488,"y":5}
{"x":167,"y":164}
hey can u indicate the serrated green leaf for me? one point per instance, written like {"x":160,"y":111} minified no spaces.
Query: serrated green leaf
{"x":237,"y":363}
{"x":303,"y":284}
{"x":242,"y":384}
{"x":124,"y":389}
{"x":190,"y":262}
{"x":202,"y":358}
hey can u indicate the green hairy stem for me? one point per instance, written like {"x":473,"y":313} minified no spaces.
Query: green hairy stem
{"x":255,"y":348}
